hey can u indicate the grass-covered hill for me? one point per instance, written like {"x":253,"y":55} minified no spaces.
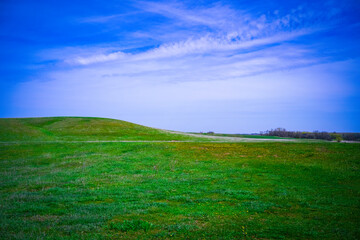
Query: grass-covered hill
{"x":58,"y":180}
{"x":80,"y":129}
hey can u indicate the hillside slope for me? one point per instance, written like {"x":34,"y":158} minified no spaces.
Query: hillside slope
{"x":80,"y":129}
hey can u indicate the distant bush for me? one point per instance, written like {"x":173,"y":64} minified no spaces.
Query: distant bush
{"x":282,"y":132}
{"x":336,"y":136}
{"x":351,"y":136}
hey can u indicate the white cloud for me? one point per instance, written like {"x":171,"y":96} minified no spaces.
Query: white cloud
{"x":223,"y":29}
{"x":205,"y":45}
{"x":208,"y":44}
{"x":96,"y":58}
{"x":217,"y":16}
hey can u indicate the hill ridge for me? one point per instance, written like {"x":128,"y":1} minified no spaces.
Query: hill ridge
{"x":97,"y":129}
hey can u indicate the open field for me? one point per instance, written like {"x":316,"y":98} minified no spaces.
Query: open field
{"x":58,"y":182}
{"x":80,"y":129}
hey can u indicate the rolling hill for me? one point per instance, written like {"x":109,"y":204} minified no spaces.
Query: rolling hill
{"x":80,"y":129}
{"x":95,"y":178}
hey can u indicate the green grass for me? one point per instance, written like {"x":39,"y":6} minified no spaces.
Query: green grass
{"x":174,"y":190}
{"x":80,"y":129}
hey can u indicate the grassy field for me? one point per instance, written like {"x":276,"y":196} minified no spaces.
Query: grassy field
{"x":80,"y":129}
{"x":170,"y":190}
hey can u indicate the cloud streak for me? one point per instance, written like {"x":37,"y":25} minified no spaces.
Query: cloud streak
{"x":221,"y":29}
{"x":205,"y":45}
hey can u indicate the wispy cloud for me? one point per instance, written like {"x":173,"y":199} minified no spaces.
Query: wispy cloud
{"x":247,"y":46}
{"x":217,"y":28}
{"x":217,"y":16}
{"x":96,"y":58}
{"x":205,"y":45}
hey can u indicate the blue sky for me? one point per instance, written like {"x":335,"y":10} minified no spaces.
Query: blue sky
{"x":223,"y":66}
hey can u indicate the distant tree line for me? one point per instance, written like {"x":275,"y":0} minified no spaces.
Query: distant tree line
{"x":282,"y":132}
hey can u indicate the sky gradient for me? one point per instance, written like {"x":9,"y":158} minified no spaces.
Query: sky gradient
{"x":223,"y":66}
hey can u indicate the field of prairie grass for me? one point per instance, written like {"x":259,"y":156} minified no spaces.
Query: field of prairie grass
{"x":170,"y":190}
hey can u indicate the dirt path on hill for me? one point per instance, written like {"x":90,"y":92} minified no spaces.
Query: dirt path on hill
{"x":214,"y":139}
{"x":207,"y":139}
{"x":231,"y":139}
